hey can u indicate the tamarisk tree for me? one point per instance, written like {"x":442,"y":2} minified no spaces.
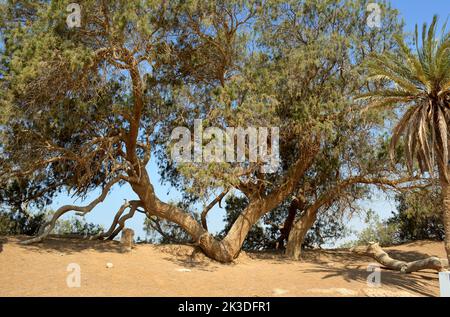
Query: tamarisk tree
{"x":87,"y":107}
{"x":307,"y":64}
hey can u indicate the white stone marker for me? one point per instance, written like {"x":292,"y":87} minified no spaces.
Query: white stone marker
{"x":444,"y":282}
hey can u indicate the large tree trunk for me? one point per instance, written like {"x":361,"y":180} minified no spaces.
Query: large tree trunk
{"x":375,"y":251}
{"x":446,"y":215}
{"x":227,"y":249}
{"x":223,"y":251}
{"x":288,"y":222}
{"x":298,"y":233}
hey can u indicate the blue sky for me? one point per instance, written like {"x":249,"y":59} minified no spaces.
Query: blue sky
{"x":421,"y":11}
{"x":412,"y":11}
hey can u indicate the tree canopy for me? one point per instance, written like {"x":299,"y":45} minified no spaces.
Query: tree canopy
{"x":86,"y":108}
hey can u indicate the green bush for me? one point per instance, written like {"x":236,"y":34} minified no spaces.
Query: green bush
{"x":77,"y":226}
{"x":13,"y":223}
{"x":418,"y":217}
{"x":377,"y":231}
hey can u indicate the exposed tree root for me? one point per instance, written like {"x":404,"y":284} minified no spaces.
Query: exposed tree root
{"x":375,"y":251}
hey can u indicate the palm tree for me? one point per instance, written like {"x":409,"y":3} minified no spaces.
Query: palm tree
{"x":420,"y":86}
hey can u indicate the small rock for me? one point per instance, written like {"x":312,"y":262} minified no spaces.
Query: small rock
{"x":109,"y":265}
{"x":279,"y":291}
{"x":183,"y":270}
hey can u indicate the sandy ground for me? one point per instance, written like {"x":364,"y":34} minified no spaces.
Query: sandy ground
{"x":149,"y":270}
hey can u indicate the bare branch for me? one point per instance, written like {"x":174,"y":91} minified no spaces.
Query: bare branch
{"x":46,"y":228}
{"x":211,"y":205}
{"x":114,"y":223}
{"x":134,"y":205}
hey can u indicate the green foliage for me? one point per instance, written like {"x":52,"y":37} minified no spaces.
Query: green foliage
{"x":12,"y":223}
{"x":329,"y":227}
{"x":264,"y":235}
{"x":77,"y":226}
{"x":419,"y":216}
{"x":74,"y":99}
{"x":377,"y":231}
{"x":301,"y":67}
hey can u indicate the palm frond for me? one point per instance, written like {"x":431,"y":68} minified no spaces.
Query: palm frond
{"x":423,"y":83}
{"x":412,"y":60}
{"x":399,"y":128}
{"x":445,"y":88}
{"x":423,"y":137}
{"x":385,"y":102}
{"x":381,"y":93}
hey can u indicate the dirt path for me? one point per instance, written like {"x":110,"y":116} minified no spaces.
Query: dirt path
{"x":41,"y":270}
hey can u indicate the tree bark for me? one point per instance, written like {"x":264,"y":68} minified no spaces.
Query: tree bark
{"x":375,"y":251}
{"x":298,"y":233}
{"x":288,"y":222}
{"x":446,"y":215}
{"x":301,"y":227}
{"x":227,"y":249}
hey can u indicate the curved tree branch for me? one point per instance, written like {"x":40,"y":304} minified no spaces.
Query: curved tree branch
{"x":121,"y":223}
{"x":113,"y":224}
{"x":46,"y":228}
{"x":210,"y":206}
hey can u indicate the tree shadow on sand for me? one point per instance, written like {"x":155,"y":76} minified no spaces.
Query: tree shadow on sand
{"x":187,"y":256}
{"x":354,"y":267}
{"x":2,"y":240}
{"x":408,"y":282}
{"x":70,"y":245}
{"x":190,"y":263}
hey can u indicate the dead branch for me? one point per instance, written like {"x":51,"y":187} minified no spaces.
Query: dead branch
{"x":121,"y":223}
{"x":113,"y":224}
{"x":47,"y":227}
{"x":375,"y":251}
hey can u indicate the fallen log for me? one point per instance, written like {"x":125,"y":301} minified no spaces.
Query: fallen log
{"x":376,"y":252}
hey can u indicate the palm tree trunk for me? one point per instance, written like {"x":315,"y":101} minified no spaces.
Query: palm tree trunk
{"x":446,"y":215}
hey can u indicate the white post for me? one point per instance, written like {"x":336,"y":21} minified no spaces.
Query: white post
{"x":444,"y":282}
